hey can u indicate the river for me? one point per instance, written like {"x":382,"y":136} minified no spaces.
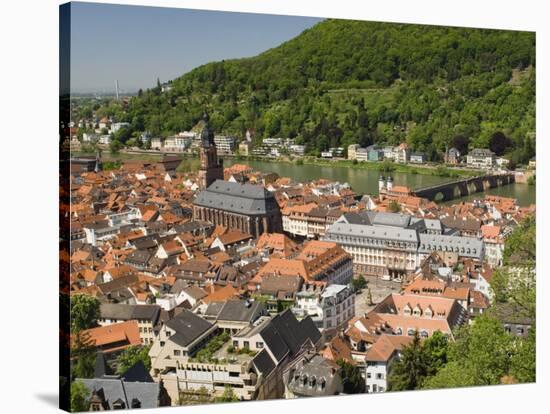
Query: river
{"x":365,"y":181}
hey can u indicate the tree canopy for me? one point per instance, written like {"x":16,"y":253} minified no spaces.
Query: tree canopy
{"x":352,"y":380}
{"x":79,"y":397}
{"x":84,"y":312}
{"x":131,"y":355}
{"x":342,"y":82}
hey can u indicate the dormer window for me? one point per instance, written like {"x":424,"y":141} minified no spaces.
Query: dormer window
{"x":417,"y":311}
{"x":428,"y":312}
{"x":407,"y":310}
{"x":410,"y":332}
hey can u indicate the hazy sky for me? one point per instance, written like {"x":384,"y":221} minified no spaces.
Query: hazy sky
{"x":137,"y":44}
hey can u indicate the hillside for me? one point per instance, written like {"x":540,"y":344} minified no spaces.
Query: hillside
{"x":342,"y":82}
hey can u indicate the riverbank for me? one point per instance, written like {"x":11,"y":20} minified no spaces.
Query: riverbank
{"x":363,"y":177}
{"x":383,"y":166}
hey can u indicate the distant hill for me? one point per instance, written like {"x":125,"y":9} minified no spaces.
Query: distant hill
{"x":343,"y":82}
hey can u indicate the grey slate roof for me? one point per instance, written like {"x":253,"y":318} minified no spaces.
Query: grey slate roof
{"x":129,"y":312}
{"x":465,"y":246}
{"x":391,"y":219}
{"x":295,"y":334}
{"x":263,"y":363}
{"x":374,"y":232}
{"x":275,"y":342}
{"x":403,"y":228}
{"x":147,"y":393}
{"x":188,"y":327}
{"x":236,"y":310}
{"x":247,"y":199}
{"x":316,"y":377}
{"x":137,"y":373}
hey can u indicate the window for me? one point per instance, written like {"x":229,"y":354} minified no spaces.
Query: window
{"x":236,"y":344}
{"x":162,"y":343}
{"x":410,"y":332}
{"x":369,"y":374}
{"x":177,"y":352}
{"x":259,"y":344}
{"x":519,"y":330}
{"x":379,"y":376}
{"x":246,"y":344}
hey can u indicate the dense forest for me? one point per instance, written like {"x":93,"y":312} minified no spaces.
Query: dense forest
{"x":343,"y":82}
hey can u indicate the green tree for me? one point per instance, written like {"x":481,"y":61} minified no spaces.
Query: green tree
{"x":358,"y":282}
{"x":115,"y":146}
{"x":408,"y":372}
{"x":524,"y":360}
{"x":131,"y":355}
{"x":394,"y":206}
{"x":516,"y":281}
{"x":83,"y":356}
{"x":452,"y":375}
{"x":498,"y":143}
{"x":461,"y":142}
{"x":79,"y":397}
{"x":227,"y":396}
{"x":84,"y":312}
{"x":352,"y":380}
{"x":201,"y":396}
{"x":436,"y":348}
{"x":520,"y":247}
{"x":483,"y":350}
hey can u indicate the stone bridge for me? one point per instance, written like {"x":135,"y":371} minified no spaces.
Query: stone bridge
{"x":465,"y":187}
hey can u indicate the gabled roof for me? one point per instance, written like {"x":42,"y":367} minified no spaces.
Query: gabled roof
{"x":114,"y":337}
{"x":188,"y":327}
{"x":237,"y":198}
{"x":116,"y":389}
{"x":119,"y":311}
{"x":236,"y":310}
{"x":383,"y":349}
{"x":263,"y":363}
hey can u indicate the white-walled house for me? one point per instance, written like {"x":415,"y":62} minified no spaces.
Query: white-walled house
{"x":330,"y":309}
{"x":379,"y":357}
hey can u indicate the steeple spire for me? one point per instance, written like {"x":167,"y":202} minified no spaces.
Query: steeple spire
{"x":97,"y":167}
{"x":207,"y":135}
{"x":211,"y":169}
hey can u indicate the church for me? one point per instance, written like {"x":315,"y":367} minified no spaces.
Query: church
{"x":245,"y":207}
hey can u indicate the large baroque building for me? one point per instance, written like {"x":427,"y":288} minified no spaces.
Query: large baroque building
{"x":246,"y":207}
{"x":391,"y":244}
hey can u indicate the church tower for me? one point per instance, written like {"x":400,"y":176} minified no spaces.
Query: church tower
{"x":210,"y":169}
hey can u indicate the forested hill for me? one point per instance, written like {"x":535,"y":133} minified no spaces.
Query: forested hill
{"x":342,"y":82}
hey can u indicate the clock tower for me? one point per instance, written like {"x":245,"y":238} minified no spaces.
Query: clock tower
{"x":211,"y":169}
